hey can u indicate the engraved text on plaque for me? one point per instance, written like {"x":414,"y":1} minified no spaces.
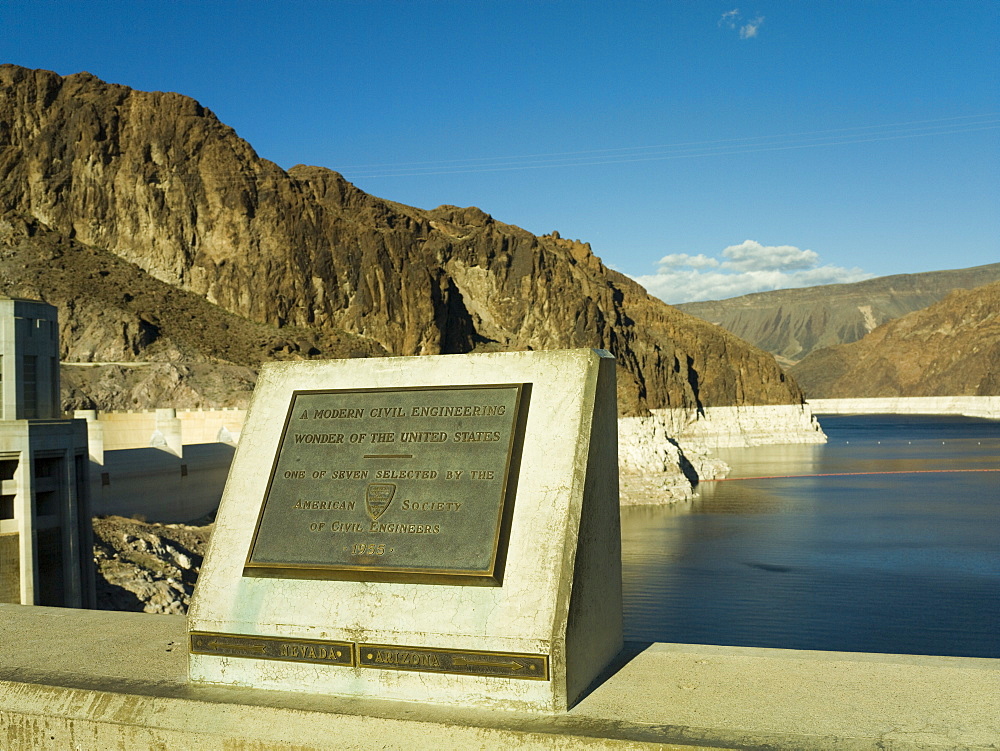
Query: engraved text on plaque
{"x":407,"y":484}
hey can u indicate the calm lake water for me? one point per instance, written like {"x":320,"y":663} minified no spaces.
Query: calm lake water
{"x":902,"y":563}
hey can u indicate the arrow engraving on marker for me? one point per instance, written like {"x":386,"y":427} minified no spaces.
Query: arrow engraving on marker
{"x":257,"y":648}
{"x":466,"y":662}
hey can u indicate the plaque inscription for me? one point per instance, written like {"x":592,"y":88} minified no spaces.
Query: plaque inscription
{"x":273,"y":648}
{"x":532,"y":667}
{"x":408,"y":484}
{"x":429,"y":660}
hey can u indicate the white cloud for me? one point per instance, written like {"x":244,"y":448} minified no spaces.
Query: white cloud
{"x":699,"y":261}
{"x":750,"y":255}
{"x":748,"y":267}
{"x":729,"y":18}
{"x":749,"y":30}
{"x":733,"y":19}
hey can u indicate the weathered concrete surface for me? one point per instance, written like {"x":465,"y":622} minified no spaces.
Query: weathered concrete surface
{"x":561,"y":593}
{"x":94,"y":680}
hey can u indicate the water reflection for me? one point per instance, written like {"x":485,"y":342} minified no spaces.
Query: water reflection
{"x":766,"y":461}
{"x":747,"y":497}
{"x":878,"y":562}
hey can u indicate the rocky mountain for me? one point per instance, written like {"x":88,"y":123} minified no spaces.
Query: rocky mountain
{"x":791,"y":323}
{"x":258,"y":262}
{"x":951,"y":348}
{"x":131,"y":341}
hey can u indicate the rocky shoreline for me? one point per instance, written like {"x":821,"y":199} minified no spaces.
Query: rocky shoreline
{"x":147,"y":567}
{"x":663,"y":456}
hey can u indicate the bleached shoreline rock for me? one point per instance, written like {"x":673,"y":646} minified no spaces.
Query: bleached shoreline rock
{"x":662,"y":456}
{"x":968,"y":406}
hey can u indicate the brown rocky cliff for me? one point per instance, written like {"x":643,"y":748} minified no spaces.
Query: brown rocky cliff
{"x":130,"y":341}
{"x":951,"y":348}
{"x":156,"y":179}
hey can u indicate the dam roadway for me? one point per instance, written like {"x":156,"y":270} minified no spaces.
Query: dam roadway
{"x":78,"y":688}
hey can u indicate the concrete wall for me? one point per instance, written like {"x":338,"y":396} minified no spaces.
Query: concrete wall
{"x":159,"y":485}
{"x":96,"y":680}
{"x":970,"y":406}
{"x":169,"y":429}
{"x":166,"y":465}
{"x":140,"y":454}
{"x":211,"y":425}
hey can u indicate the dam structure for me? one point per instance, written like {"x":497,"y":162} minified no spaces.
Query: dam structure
{"x":79,"y":688}
{"x":45,"y":540}
{"x":101,"y":679}
{"x":166,"y":465}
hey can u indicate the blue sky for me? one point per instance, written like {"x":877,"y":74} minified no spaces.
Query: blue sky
{"x":708,"y":149}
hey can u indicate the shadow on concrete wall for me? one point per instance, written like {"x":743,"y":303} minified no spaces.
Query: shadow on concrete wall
{"x":158,"y":485}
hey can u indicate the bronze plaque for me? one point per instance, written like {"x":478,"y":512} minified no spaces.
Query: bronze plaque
{"x":502,"y":664}
{"x":409,"y":484}
{"x":383,"y":656}
{"x":273,"y":648}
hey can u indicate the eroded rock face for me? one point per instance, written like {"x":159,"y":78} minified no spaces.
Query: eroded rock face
{"x":157,"y":180}
{"x":130,"y":341}
{"x":951,"y":348}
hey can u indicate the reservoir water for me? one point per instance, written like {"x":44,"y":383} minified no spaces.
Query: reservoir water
{"x":885,"y":539}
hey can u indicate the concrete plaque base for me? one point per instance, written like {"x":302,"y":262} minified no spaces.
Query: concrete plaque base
{"x":383,"y":495}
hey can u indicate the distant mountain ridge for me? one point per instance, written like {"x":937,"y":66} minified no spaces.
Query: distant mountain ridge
{"x":167,"y":228}
{"x":791,"y":323}
{"x":951,"y":348}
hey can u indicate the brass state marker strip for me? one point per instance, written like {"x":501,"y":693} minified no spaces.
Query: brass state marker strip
{"x":380,"y":656}
{"x":273,"y":648}
{"x":430,"y":660}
